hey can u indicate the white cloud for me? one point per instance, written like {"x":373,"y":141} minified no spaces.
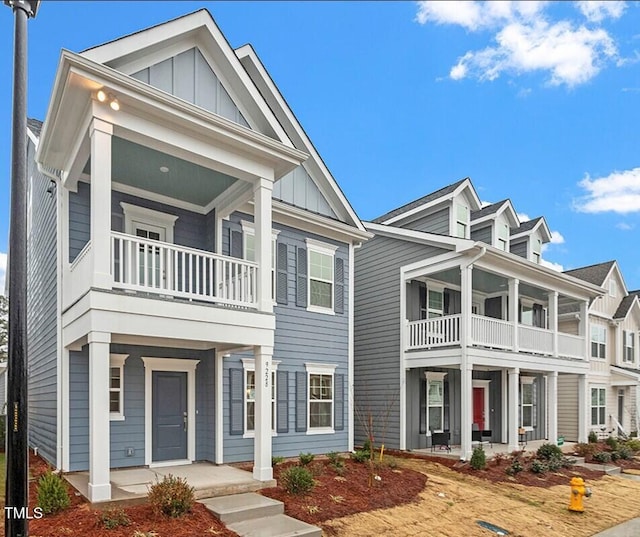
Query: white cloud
{"x":526,"y":41}
{"x":597,"y":11}
{"x":550,"y":264}
{"x":3,"y":271}
{"x":618,"y":192}
{"x":556,"y":237}
{"x":624,"y":226}
{"x":523,"y":217}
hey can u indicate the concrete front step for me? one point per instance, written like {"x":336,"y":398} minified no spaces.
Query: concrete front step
{"x":606,"y":468}
{"x":239,"y":488}
{"x":239,"y":507}
{"x":275,"y":526}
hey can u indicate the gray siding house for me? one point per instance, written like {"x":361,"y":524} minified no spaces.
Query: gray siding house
{"x":191,"y":261}
{"x":457,"y":327}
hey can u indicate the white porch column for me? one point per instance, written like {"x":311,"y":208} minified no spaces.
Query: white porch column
{"x":514,"y":376}
{"x":262,"y":203}
{"x":466,"y":410}
{"x":99,"y":441}
{"x":219,"y":427}
{"x":466,"y":301}
{"x":262,"y":470}
{"x":100,"y":133}
{"x":552,"y":406}
{"x":584,"y":328}
{"x":514,"y":291}
{"x":504,"y":431}
{"x":583,"y":408}
{"x":553,"y":319}
{"x":619,"y":346}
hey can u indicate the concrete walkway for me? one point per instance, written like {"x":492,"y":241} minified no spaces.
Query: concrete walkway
{"x":631,"y":528}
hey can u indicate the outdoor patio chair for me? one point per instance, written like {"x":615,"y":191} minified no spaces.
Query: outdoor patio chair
{"x":481,"y":435}
{"x":441,"y":440}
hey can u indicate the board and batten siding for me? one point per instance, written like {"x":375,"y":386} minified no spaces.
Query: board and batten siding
{"x":482,"y":234}
{"x":127,"y":437}
{"x":42,"y":327}
{"x":377,"y":327}
{"x":519,"y":248}
{"x":436,"y":222}
{"x":568,"y":407}
{"x":299,"y":189}
{"x":301,"y":337}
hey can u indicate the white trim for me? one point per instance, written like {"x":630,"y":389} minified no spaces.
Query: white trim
{"x":434,"y":376}
{"x":62,"y":354}
{"x":117,"y":361}
{"x":219,"y":408}
{"x":326,"y":370}
{"x":249,"y":228}
{"x":485,"y":385}
{"x":153,"y":196}
{"x":350,"y":349}
{"x":170,"y":364}
{"x":134,"y":213}
{"x":526,"y":381}
{"x":249,"y":364}
{"x":325,"y":249}
{"x":422,"y":237}
{"x":591,"y":407}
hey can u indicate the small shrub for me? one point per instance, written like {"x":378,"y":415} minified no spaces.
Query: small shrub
{"x":306,"y":458}
{"x":593,"y":437}
{"x":614,"y":456}
{"x":390,"y":462}
{"x":612,"y":443}
{"x":633,"y":444}
{"x":538,"y":466}
{"x":555,"y":463}
{"x":515,"y":467}
{"x":478,"y":459}
{"x":360,"y":455}
{"x":316,"y":468}
{"x":52,"y":493}
{"x":568,"y":462}
{"x":337,"y":499}
{"x":171,"y":497}
{"x":113,"y":518}
{"x":585,"y":450}
{"x":333,"y":456}
{"x":499,"y":458}
{"x":276,"y":460}
{"x":547,"y":451}
{"x":297,"y":480}
{"x":602,"y":457}
{"x":367,"y":446}
{"x":625,"y":453}
{"x":313,"y":509}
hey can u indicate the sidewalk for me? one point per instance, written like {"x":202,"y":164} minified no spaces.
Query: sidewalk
{"x":631,"y":528}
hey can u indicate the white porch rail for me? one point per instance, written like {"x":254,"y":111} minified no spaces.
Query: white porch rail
{"x":535,"y":340}
{"x":437,"y":332}
{"x":571,"y":346}
{"x":168,"y":269}
{"x":491,"y":332}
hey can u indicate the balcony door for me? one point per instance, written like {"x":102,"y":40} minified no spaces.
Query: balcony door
{"x":150,"y":268}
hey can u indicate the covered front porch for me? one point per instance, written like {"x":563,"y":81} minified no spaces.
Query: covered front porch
{"x":490,"y":449}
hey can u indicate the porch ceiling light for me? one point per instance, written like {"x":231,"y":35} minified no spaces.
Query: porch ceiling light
{"x":104,"y":97}
{"x":164,"y":169}
{"x":114,"y":104}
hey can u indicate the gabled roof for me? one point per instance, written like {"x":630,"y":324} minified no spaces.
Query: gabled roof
{"x":528,"y":227}
{"x":491,"y":212}
{"x":443,"y":193}
{"x":487,"y":210}
{"x":595,"y":274}
{"x":34,"y":125}
{"x":626,"y":304}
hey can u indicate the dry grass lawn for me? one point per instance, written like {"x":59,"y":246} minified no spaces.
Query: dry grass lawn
{"x":451,"y":503}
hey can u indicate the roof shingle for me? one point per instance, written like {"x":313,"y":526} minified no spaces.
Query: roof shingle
{"x":35,"y":126}
{"x":594,"y":274}
{"x":489,"y":209}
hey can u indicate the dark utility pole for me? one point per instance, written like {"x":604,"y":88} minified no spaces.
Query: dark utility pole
{"x":16,"y":497}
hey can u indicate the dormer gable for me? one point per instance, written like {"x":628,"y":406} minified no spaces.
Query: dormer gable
{"x":493,"y":223}
{"x":527,"y":239}
{"x":446,"y":211}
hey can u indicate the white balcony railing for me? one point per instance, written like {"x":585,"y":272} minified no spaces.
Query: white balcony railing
{"x":438,"y":332}
{"x":492,"y":333}
{"x":178,"y":271}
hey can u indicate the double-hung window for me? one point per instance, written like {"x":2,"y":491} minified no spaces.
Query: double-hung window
{"x":249,"y":247}
{"x":536,"y":250}
{"x":598,"y":341}
{"x":503,"y":237}
{"x":527,"y":388}
{"x":462,"y":220}
{"x":250,"y":396}
{"x":629,"y":346}
{"x":321,"y":275}
{"x":435,"y":401}
{"x":431,"y":302}
{"x":116,"y":386}
{"x":598,"y":406}
{"x":320,"y":398}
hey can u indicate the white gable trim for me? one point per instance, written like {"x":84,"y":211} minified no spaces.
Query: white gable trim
{"x":422,"y":237}
{"x":314,"y":165}
{"x":615,"y":268}
{"x":546,"y":232}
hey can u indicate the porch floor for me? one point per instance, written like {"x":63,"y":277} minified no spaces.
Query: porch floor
{"x":131,"y":485}
{"x":490,"y":450}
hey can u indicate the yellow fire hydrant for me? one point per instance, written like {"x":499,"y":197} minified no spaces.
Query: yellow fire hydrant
{"x":578,"y":490}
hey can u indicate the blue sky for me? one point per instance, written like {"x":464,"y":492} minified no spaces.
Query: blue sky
{"x":535,"y":101}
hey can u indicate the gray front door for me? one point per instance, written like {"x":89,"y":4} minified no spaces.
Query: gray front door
{"x":169,"y":416}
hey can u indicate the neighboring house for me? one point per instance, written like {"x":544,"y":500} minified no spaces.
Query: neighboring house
{"x":613,"y":388}
{"x":457,"y":322}
{"x":190,"y":280}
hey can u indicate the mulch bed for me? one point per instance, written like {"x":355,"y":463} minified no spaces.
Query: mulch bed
{"x":336,"y":495}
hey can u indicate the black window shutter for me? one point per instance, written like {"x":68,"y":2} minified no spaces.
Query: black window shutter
{"x":281,"y":274}
{"x":422,"y":403}
{"x":301,"y":278}
{"x":339,"y":286}
{"x":338,"y":402}
{"x":301,"y":402}
{"x":236,"y":401}
{"x":235,"y":243}
{"x":282,"y":402}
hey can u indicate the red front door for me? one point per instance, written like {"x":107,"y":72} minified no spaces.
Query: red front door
{"x":478,"y":407}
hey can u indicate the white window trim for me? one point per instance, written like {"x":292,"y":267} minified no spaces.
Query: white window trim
{"x":629,"y":335}
{"x":117,"y":360}
{"x":321,"y":369}
{"x":591,"y":341}
{"x":249,"y":228}
{"x":591,"y":407}
{"x":613,"y":288}
{"x":134,"y":213}
{"x":249,"y":364}
{"x":526,"y":380}
{"x":170,"y":364}
{"x":325,"y":249}
{"x":456,"y":220}
{"x":501,"y":227}
{"x":433,"y":376}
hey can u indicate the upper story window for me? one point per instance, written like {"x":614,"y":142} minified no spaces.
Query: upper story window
{"x":536,"y":250}
{"x":321,"y":275}
{"x":462,"y":221}
{"x":598,"y":341}
{"x":629,"y":346}
{"x":249,"y":246}
{"x":503,"y":237}
{"x":613,"y":288}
